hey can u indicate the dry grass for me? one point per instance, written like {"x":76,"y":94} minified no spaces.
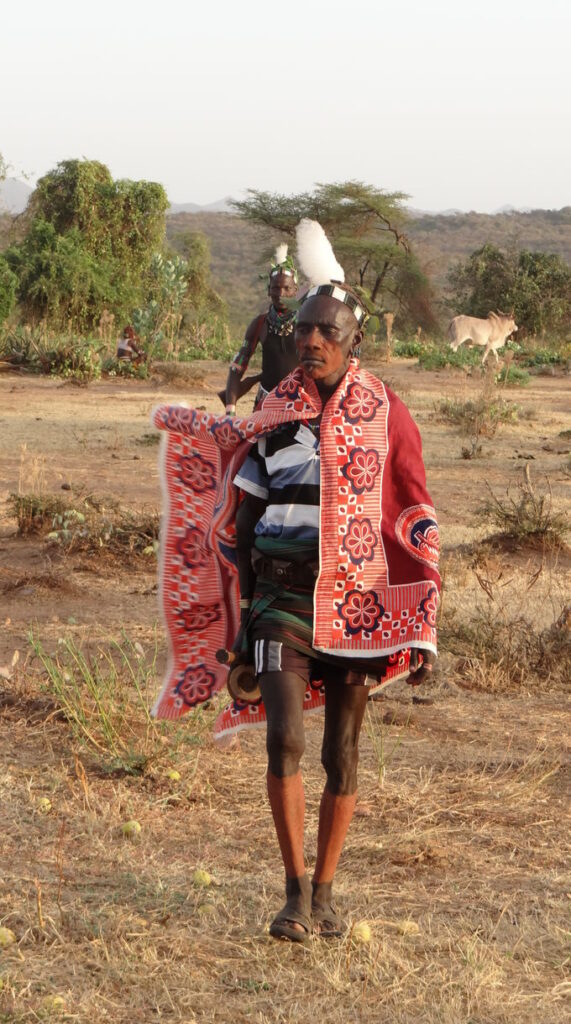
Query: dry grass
{"x":174,"y":373}
{"x":85,"y":523}
{"x":528,"y":517}
{"x":456,"y":856}
{"x":12,"y":580}
{"x":455,"y":859}
{"x":479,"y":417}
{"x":507,"y":626}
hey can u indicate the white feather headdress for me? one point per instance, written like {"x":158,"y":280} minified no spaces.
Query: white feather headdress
{"x":315,"y":254}
{"x":280,"y":255}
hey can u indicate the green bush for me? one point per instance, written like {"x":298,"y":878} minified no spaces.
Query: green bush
{"x":512,"y":376}
{"x":408,"y":349}
{"x":557,"y":355}
{"x":8,"y":286}
{"x":213,"y":342}
{"x":61,"y":355}
{"x":124,"y":368}
{"x":437,"y":357}
{"x":89,"y":244}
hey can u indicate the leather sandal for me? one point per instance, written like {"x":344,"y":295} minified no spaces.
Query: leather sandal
{"x":296,"y":910}
{"x":327,"y":923}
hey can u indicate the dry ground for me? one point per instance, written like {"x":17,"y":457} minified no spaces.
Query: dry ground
{"x":457,"y":858}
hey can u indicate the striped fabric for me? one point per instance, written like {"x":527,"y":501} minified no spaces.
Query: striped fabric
{"x":267,"y":656}
{"x":284,"y":470}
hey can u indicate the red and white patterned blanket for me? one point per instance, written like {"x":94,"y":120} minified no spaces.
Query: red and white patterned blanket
{"x":378,"y":585}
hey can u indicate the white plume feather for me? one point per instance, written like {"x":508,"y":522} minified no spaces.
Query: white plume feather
{"x":280,"y":254}
{"x":315,"y":254}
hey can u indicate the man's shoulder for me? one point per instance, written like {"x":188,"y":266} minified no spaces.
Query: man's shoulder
{"x":256,"y":326}
{"x":398,"y":410}
{"x":370,"y":380}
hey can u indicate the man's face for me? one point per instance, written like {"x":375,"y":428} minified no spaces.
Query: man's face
{"x":326,"y":333}
{"x":282,"y":286}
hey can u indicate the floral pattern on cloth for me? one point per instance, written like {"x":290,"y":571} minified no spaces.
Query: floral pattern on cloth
{"x":360,"y":403}
{"x":362,"y":612}
{"x":191,"y":549}
{"x":429,"y":607}
{"x":377,"y":588}
{"x":197,"y":473}
{"x":360,"y":540}
{"x":198,"y":617}
{"x":195,"y":686}
{"x":417,"y":531}
{"x":288,"y":388}
{"x":362,"y":469}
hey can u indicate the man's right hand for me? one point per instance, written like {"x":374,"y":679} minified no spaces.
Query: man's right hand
{"x":420,"y":671}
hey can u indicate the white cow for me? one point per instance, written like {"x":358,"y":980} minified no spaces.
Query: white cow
{"x":492,"y":333}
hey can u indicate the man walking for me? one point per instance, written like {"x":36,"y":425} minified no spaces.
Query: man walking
{"x":307,"y":550}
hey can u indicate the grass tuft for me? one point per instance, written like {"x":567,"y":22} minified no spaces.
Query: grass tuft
{"x":105,"y":696}
{"x":89,"y":524}
{"x":34,"y":513}
{"x":480,"y":417}
{"x":501,"y":639}
{"x":527,"y":517}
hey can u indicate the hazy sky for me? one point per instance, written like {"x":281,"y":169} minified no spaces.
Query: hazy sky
{"x":459,"y":104}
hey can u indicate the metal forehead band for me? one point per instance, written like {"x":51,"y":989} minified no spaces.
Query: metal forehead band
{"x":280,"y":270}
{"x":335,"y":292}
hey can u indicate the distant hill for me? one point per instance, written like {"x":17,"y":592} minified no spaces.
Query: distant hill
{"x":220,"y":206}
{"x":14,"y":195}
{"x":442,"y":239}
{"x":240,"y":251}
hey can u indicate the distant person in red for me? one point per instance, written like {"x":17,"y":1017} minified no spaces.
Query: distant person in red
{"x":129,"y":347}
{"x":273,"y":331}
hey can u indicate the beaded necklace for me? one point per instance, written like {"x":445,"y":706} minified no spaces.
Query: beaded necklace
{"x":281,"y":324}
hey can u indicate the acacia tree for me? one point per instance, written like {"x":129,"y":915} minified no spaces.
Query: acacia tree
{"x":89,"y":245}
{"x":366,"y":226}
{"x":535,"y":285}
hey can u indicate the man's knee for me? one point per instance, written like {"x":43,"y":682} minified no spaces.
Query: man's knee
{"x":340,"y":762}
{"x":285,"y":749}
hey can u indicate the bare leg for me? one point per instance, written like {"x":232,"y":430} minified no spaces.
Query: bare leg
{"x":287,"y":801}
{"x":335,"y":816}
{"x":344,"y":710}
{"x":283,"y":693}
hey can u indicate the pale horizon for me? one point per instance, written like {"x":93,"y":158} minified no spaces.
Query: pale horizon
{"x":458,"y":114}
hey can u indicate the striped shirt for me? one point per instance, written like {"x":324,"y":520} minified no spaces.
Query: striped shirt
{"x":284,"y":470}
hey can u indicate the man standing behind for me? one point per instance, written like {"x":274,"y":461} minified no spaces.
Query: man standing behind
{"x":273,"y":331}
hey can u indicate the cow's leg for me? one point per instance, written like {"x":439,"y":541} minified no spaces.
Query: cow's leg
{"x":486,"y":354}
